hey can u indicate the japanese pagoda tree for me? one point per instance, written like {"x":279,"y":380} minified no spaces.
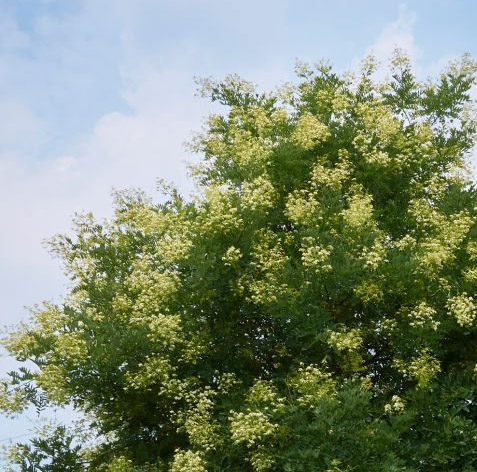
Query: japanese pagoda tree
{"x":312,"y":308}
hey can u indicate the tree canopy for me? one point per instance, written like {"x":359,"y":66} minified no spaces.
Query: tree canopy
{"x":310,"y":309}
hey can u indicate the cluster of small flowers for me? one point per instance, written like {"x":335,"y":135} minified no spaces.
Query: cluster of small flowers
{"x":463,"y":308}
{"x":396,"y":405}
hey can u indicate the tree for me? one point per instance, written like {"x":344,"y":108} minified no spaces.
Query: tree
{"x":311,"y":309}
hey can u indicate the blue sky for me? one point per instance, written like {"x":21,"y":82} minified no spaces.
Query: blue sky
{"x":96,"y":94}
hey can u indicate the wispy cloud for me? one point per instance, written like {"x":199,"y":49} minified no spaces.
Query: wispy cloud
{"x":397,"y":34}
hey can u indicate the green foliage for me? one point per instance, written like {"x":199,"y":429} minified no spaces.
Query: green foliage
{"x":311,"y":309}
{"x":52,"y":453}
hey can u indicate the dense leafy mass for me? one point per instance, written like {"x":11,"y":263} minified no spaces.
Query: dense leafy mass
{"x":312,"y":309}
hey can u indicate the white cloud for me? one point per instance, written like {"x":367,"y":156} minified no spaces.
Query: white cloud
{"x":21,"y":129}
{"x":397,"y":34}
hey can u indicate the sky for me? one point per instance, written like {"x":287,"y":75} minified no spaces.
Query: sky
{"x":98,"y":95}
